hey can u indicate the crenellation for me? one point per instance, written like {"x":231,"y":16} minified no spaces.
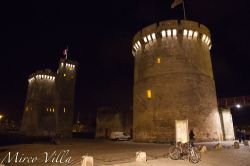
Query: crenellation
{"x":49,"y":94}
{"x":169,"y":24}
{"x":170,"y":29}
{"x":149,"y":30}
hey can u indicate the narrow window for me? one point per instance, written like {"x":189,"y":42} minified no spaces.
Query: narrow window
{"x":158,"y":60}
{"x":149,"y":94}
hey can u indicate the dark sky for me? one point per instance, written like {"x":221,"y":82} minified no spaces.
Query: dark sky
{"x":99,"y":35}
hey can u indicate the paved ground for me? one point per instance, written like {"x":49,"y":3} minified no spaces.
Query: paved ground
{"x":118,"y":154}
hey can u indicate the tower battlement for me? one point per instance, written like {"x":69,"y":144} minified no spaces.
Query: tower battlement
{"x":169,"y":30}
{"x":49,"y":105}
{"x":46,"y":74}
{"x":173,"y":80}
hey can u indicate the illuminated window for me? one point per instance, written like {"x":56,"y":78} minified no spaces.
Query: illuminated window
{"x":163,"y":33}
{"x":190,"y":33}
{"x":153,"y":36}
{"x":137,"y":43}
{"x":149,"y":38}
{"x":135,"y":48}
{"x":149,"y":94}
{"x":203,"y":37}
{"x":64,"y":75}
{"x":62,"y":64}
{"x":50,"y":110}
{"x":145,"y":39}
{"x":206,"y":40}
{"x":169,"y":33}
{"x":174,"y":32}
{"x":185,"y":32}
{"x":53,"y":110}
{"x":158,"y":60}
{"x":64,"y":109}
{"x":210,"y":47}
{"x":47,"y":110}
{"x":195,"y":34}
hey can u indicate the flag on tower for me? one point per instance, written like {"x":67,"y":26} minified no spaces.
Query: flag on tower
{"x":65,"y":52}
{"x":176,"y":3}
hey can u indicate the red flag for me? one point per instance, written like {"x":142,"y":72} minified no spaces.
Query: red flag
{"x":176,"y":3}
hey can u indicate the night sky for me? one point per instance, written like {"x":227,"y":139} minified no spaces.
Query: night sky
{"x":99,"y":35}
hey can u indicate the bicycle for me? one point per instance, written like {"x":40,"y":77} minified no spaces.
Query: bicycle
{"x":180,"y":151}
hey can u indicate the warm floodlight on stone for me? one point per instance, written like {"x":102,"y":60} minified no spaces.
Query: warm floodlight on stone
{"x":182,"y":83}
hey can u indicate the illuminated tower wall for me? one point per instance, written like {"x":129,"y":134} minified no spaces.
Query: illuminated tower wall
{"x":49,"y":105}
{"x":39,"y":113}
{"x":173,"y":80}
{"x":65,"y":87}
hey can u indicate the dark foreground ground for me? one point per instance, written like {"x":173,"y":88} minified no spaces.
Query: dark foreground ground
{"x":117,"y":153}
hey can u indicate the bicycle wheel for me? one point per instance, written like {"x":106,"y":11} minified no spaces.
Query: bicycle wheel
{"x":174,"y":153}
{"x":194,"y":155}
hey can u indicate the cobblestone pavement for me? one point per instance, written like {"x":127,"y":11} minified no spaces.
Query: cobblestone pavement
{"x":120,"y":154}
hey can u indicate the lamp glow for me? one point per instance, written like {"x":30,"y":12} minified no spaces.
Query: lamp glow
{"x":169,"y":33}
{"x":163,"y":33}
{"x":185,"y":32}
{"x":238,"y":105}
{"x":149,"y":38}
{"x":153,"y":36}
{"x":174,"y":32}
{"x":190,"y":33}
{"x":195,"y":34}
{"x":149,"y":94}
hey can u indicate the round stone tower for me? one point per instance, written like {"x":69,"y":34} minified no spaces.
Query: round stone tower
{"x":173,"y":80}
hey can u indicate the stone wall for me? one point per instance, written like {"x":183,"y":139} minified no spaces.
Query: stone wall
{"x":181,"y":83}
{"x":227,"y":124}
{"x":49,"y":105}
{"x":111,"y":119}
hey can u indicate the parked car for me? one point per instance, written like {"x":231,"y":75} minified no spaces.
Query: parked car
{"x":119,"y":136}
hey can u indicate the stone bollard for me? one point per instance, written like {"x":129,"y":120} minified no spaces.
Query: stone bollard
{"x":218,"y":146}
{"x":202,"y":148}
{"x":246,"y":143}
{"x":236,"y":145}
{"x":87,"y":161}
{"x":141,"y":157}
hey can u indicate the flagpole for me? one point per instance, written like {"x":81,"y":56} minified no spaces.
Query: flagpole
{"x":67,"y":52}
{"x":184,"y":11}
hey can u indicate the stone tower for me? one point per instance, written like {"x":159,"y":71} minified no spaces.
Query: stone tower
{"x":49,"y":104}
{"x":65,"y":88}
{"x":173,"y":80}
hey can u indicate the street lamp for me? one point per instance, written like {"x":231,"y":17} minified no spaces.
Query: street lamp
{"x":238,"y":105}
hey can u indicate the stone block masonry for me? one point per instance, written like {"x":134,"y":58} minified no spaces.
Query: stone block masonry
{"x":172,"y":62}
